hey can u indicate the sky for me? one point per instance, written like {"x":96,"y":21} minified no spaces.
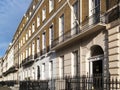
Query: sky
{"x":11,"y":13}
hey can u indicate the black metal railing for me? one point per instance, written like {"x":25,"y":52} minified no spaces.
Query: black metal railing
{"x":12,"y":69}
{"x":65,"y":36}
{"x":31,"y":58}
{"x":68,"y":83}
{"x":85,"y":83}
{"x":113,"y":14}
{"x":92,"y":20}
{"x":28,"y":60}
{"x":112,"y":3}
{"x":88,"y":23}
{"x":8,"y":83}
{"x":33,"y":85}
{"x":36,"y":56}
{"x":49,"y":48}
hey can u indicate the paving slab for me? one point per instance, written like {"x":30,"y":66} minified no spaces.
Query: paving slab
{"x":5,"y":88}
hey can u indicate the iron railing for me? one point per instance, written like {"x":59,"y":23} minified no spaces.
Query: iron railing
{"x":65,"y":36}
{"x":92,"y":20}
{"x":113,"y":13}
{"x":112,"y":3}
{"x":85,"y":25}
{"x":86,"y":83}
{"x":11,"y":70}
{"x":68,"y":83}
{"x":31,"y":58}
{"x":36,"y":56}
{"x":33,"y":85}
{"x":28,"y":60}
{"x":8,"y":83}
{"x":76,"y":83}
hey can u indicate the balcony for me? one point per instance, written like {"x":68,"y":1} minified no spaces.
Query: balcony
{"x":90,"y":25}
{"x":5,"y":73}
{"x":12,"y":69}
{"x":113,"y":13}
{"x":112,"y":3}
{"x":28,"y":61}
{"x":37,"y":56}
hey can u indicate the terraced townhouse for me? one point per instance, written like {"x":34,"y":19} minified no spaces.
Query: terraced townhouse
{"x":58,"y":38}
{"x":8,"y":67}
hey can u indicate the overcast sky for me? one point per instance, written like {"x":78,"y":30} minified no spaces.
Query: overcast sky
{"x":11,"y":13}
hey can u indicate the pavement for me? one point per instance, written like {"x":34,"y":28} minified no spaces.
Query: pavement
{"x":14,"y":88}
{"x":5,"y":88}
{"x":8,"y":88}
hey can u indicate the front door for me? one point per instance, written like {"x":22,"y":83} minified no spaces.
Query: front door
{"x":97,"y":68}
{"x":97,"y":74}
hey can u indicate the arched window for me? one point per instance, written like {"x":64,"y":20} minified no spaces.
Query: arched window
{"x":96,"y":50}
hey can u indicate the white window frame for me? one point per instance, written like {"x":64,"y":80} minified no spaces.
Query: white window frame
{"x":43,"y":14}
{"x":43,"y":71}
{"x":33,"y":27}
{"x":38,"y":44}
{"x":29,"y":73}
{"x":61,"y":27}
{"x":19,"y":45}
{"x":74,"y":63}
{"x":51,"y":5}
{"x":26,"y":36}
{"x":43,"y":40}
{"x":74,"y":18}
{"x":23,"y":55}
{"x":51,"y":35}
{"x":29,"y":32}
{"x":33,"y":73}
{"x":33,"y":49}
{"x":23,"y":40}
{"x":38,"y":21}
{"x":61,"y":66}
{"x":26,"y":53}
{"x":50,"y":69}
{"x":27,"y":18}
{"x":33,"y":6}
{"x":29,"y":50}
{"x":30,"y":13}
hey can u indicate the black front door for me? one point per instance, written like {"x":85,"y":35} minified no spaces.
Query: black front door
{"x":97,"y":74}
{"x":97,"y":68}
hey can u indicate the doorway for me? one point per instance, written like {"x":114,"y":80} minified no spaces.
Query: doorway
{"x":97,"y":58}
